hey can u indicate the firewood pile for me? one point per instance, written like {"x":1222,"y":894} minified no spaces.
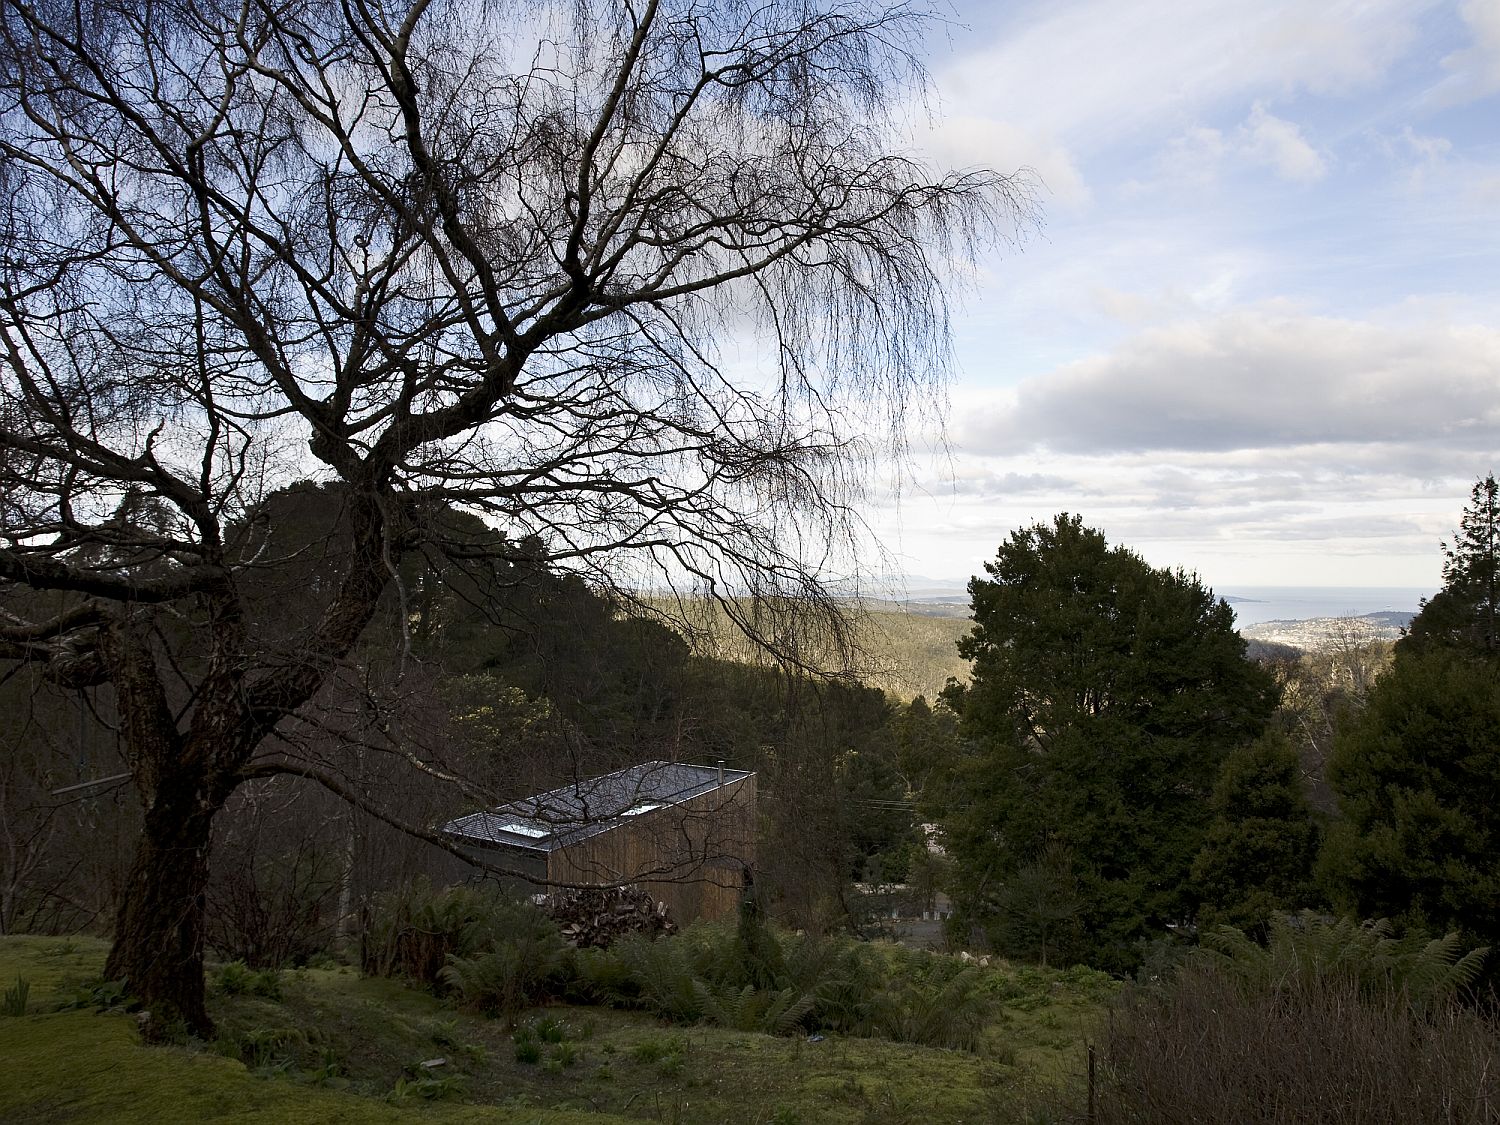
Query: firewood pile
{"x":598,"y":917}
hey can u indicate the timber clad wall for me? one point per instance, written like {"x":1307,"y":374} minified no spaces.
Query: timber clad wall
{"x":691,"y":855}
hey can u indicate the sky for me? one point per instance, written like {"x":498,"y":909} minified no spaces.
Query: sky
{"x":1258,"y":333}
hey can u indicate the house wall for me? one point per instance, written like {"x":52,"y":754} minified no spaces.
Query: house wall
{"x":530,"y":869}
{"x":691,"y":856}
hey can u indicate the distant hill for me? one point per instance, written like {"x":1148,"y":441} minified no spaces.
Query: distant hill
{"x":916,"y":642}
{"x":907,"y":648}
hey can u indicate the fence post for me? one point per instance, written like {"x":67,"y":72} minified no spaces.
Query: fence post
{"x":1091,"y":1118}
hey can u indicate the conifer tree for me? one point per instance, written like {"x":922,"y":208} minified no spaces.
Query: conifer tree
{"x":1463,"y":613}
{"x":1257,"y":857}
{"x":1105,"y":696}
{"x":1416,"y":773}
{"x":1417,"y":770}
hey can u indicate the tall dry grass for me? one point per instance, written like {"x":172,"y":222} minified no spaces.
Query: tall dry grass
{"x":1213,"y":1047}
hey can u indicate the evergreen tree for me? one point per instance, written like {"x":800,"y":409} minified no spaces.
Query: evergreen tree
{"x":1038,"y":910}
{"x":1416,"y":773}
{"x":1257,"y":857}
{"x":1463,"y":613}
{"x":1105,"y":696}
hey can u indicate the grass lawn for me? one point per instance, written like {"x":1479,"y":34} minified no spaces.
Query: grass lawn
{"x":327,"y":1045}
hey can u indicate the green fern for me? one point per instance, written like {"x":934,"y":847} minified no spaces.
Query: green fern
{"x":786,"y":1011}
{"x":1304,"y":950}
{"x":727,"y":1006}
{"x":951,"y":1013}
{"x":664,"y":973}
{"x":773,"y":1012}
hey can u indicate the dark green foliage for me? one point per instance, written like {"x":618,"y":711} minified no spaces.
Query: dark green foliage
{"x":492,"y":954}
{"x":15,"y":999}
{"x":882,"y":829}
{"x":1037,"y":912}
{"x":1416,"y":773}
{"x":1105,"y":696}
{"x":1258,"y":854}
{"x":1463,"y":614}
{"x":828,"y":984}
{"x":927,"y":746}
{"x":101,"y":995}
{"x":545,"y":1041}
{"x":1304,"y":950}
{"x":237,"y":979}
{"x":412,"y":931}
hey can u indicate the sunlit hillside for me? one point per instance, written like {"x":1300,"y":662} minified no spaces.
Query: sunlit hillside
{"x":904,"y":652}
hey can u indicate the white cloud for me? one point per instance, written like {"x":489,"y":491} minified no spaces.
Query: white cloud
{"x":1428,"y":150}
{"x":1116,"y":369}
{"x":1195,"y":157}
{"x":1260,"y":379}
{"x":1270,"y":140}
{"x":1312,"y":515}
{"x":968,"y":142}
{"x":1475,"y":70}
{"x":1094,"y":72}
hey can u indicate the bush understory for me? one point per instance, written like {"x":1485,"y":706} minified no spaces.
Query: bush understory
{"x":497,"y":958}
{"x":1328,"y":1024}
{"x":330,"y":1044}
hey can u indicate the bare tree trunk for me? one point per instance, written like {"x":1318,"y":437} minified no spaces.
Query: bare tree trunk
{"x":159,"y":932}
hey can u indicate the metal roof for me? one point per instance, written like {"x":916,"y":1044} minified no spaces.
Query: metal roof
{"x":589,"y":806}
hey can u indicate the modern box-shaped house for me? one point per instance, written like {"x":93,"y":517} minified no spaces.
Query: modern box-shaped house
{"x":685,"y":833}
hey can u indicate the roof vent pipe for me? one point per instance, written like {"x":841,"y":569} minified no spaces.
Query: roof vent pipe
{"x":721,"y":773}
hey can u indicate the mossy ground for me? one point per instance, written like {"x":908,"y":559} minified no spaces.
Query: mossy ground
{"x":336,"y":1047}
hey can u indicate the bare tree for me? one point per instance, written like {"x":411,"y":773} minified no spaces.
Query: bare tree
{"x":431,"y":253}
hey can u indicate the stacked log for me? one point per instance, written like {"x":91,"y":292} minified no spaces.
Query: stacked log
{"x":597,"y":917}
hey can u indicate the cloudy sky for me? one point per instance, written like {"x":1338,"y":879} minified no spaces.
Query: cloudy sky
{"x":1259,"y":333}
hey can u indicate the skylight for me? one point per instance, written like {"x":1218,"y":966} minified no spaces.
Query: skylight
{"x":643,"y":807}
{"x":523,"y":829}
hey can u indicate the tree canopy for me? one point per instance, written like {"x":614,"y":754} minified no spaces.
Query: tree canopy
{"x":1416,"y":769}
{"x":1463,"y":614}
{"x":1260,"y":848}
{"x":1105,"y":696}
{"x":1416,"y":773}
{"x":427,"y":253}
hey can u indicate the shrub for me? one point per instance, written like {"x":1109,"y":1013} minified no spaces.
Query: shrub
{"x":1306,"y":948}
{"x":14,"y":1002}
{"x":951,"y":1013}
{"x":238,"y":979}
{"x":269,"y":1047}
{"x":495,"y":955}
{"x":271,"y":903}
{"x":413,"y":930}
{"x":1329,"y":1023}
{"x":665,"y":975}
{"x":524,"y":955}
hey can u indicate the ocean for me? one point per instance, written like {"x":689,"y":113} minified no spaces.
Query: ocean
{"x":1254,"y":604}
